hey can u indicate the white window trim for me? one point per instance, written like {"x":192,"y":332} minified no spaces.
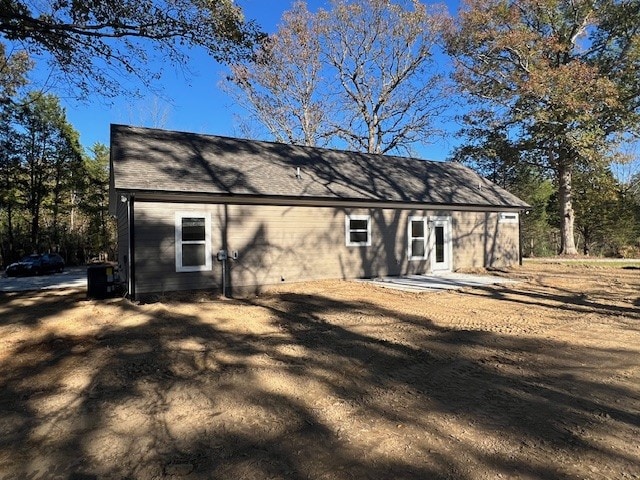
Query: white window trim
{"x":207,"y":241}
{"x":347,"y":229}
{"x":425,"y":238}
{"x":508,"y":217}
{"x":448,"y":243}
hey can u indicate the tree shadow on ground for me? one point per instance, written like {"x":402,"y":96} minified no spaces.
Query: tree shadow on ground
{"x":568,"y":300}
{"x":322,"y":388}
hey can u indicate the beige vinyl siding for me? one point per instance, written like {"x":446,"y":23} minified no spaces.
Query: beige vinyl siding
{"x":155,"y":250}
{"x":479,"y":240}
{"x":299,"y":243}
{"x":278,"y":244}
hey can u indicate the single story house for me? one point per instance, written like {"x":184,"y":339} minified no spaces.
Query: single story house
{"x":209,"y":212}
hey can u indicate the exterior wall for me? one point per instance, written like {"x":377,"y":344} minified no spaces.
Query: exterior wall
{"x":278,"y":244}
{"x":481,"y":240}
{"x":154,"y":245}
{"x":122,"y":220}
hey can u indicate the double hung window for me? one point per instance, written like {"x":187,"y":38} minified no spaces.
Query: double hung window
{"x":193,"y":241}
{"x":358,"y":230}
{"x":417,"y":238}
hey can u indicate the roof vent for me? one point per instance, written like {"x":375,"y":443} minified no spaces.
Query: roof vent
{"x":298,"y":176}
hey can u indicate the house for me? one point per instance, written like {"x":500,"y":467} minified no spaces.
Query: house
{"x":198,"y":211}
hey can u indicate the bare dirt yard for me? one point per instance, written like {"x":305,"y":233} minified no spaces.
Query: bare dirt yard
{"x":329,"y":380}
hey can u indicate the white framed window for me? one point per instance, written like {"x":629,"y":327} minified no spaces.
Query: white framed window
{"x":358,"y":230}
{"x":193,"y":241}
{"x":417,"y":235}
{"x":508,"y":217}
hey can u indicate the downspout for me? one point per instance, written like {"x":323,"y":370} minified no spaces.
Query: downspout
{"x":131,"y":249}
{"x":227,"y":280}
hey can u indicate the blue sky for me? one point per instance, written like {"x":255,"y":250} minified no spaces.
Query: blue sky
{"x":190,"y":101}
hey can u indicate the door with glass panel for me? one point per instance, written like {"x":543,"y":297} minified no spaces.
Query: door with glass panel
{"x":440,"y":244}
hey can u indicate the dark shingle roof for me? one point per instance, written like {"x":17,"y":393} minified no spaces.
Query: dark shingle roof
{"x":146,"y":159}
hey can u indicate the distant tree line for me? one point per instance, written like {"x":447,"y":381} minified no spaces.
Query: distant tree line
{"x":607,"y":206}
{"x":53,"y":195}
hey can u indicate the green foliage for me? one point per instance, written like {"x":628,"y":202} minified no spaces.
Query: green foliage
{"x":13,"y":70}
{"x":560,"y":76}
{"x":50,"y":155}
{"x":92,"y":42}
{"x":93,"y":201}
{"x":597,"y":210}
{"x":502,"y":161}
{"x":607,"y":210}
{"x":539,"y":235}
{"x":52,"y":197}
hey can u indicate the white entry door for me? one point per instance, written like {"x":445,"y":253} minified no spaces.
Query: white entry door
{"x":440,"y":243}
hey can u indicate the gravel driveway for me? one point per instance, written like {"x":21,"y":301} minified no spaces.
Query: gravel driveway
{"x":75,"y":277}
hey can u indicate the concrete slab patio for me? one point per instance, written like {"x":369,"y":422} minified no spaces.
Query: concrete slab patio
{"x":439,"y":281}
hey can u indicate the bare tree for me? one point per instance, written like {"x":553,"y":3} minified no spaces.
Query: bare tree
{"x":152,"y":111}
{"x":382,"y":57}
{"x":361,"y":72}
{"x":281,"y":88}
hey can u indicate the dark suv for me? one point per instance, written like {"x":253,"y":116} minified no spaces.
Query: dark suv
{"x":36,"y":264}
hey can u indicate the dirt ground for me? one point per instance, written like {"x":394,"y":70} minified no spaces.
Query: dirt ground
{"x":329,"y":380}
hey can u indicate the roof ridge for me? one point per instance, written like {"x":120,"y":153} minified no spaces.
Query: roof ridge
{"x":155,"y":159}
{"x":293,"y":145}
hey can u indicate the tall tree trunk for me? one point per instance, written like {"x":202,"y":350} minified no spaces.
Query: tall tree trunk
{"x":57,"y":201}
{"x":36,"y":192}
{"x":567,"y":241}
{"x":11,"y":249}
{"x":371,"y":143}
{"x":586,"y":235}
{"x":35,"y":228}
{"x":55,"y":210}
{"x":72,"y":215}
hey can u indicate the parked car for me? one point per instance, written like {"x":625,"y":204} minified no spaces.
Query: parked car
{"x":36,"y":264}
{"x":52,"y":262}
